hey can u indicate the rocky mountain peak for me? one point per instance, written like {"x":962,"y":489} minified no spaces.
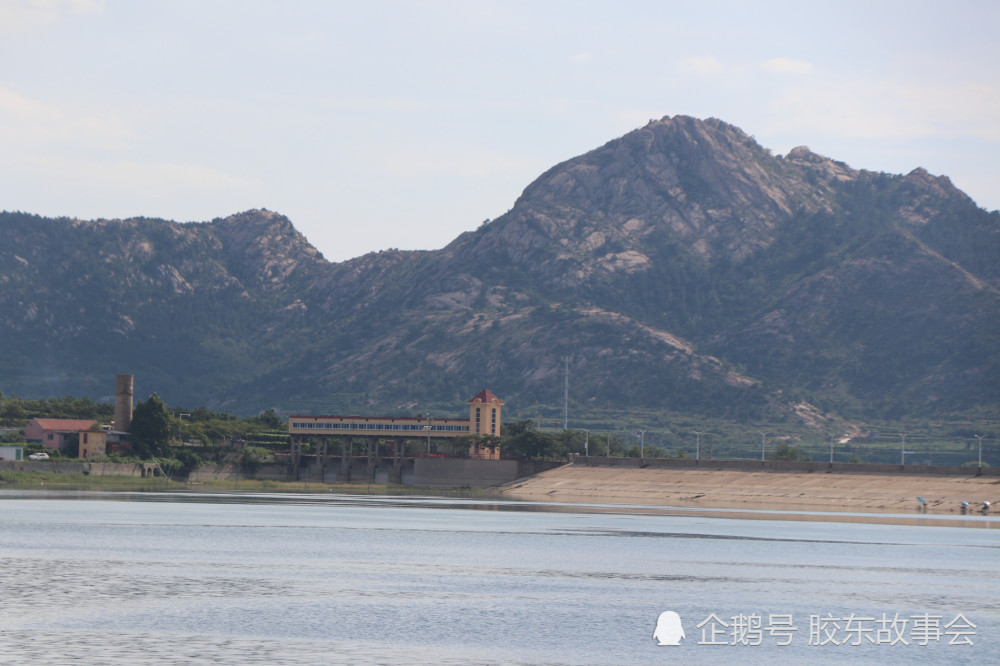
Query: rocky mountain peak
{"x":829,"y":168}
{"x":939,"y":185}
{"x":251,"y":230}
{"x":266,"y":246}
{"x":701,"y":184}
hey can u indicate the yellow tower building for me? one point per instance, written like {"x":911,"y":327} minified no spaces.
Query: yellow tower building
{"x":484,"y":414}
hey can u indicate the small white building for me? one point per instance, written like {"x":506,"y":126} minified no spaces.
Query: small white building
{"x":11,"y":453}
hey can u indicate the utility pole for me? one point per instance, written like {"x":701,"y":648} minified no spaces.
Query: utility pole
{"x":697,"y":446}
{"x":180,"y":426}
{"x":980,"y":438}
{"x":428,"y":426}
{"x":763,"y":439}
{"x":902,"y":448}
{"x":586,"y":444}
{"x":565,"y":360}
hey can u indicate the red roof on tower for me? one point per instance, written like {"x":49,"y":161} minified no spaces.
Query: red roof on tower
{"x":485,"y":396}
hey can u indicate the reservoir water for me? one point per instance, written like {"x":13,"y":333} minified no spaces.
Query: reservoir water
{"x":130,"y":578}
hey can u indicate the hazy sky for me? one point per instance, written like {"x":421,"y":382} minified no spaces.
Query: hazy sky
{"x":383,"y":124}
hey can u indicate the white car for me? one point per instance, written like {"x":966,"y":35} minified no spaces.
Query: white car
{"x":38,"y":456}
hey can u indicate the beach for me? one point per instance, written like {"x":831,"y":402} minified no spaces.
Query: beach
{"x":781,"y":490}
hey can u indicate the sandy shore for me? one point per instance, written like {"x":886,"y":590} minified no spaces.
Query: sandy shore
{"x":816,"y":491}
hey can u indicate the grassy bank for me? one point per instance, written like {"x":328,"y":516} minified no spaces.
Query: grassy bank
{"x":55,"y":481}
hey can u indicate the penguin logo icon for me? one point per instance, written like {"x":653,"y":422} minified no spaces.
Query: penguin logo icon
{"x":668,"y":629}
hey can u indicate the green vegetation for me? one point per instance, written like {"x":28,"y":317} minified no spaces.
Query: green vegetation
{"x":57,"y":481}
{"x":199,"y":436}
{"x":150,"y":427}
{"x":789,"y":453}
{"x":53,"y":481}
{"x":16,"y":412}
{"x":178,"y":440}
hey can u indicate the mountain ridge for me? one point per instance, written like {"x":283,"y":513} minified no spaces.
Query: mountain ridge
{"x":681,"y":267}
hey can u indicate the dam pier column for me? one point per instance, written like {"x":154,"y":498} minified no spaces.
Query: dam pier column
{"x":372,"y":452}
{"x":396,"y":471}
{"x":295,"y":458}
{"x":345,"y":460}
{"x":321,"y":460}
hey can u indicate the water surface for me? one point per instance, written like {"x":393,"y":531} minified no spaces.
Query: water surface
{"x":96,"y":578}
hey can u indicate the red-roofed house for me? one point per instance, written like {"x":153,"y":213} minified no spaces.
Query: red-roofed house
{"x":57,"y":433}
{"x":77,"y":437}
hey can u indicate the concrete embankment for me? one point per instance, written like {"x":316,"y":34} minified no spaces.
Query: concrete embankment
{"x":440,"y":473}
{"x":711,"y":484}
{"x":434,"y":473}
{"x":746,"y":484}
{"x":137,"y":469}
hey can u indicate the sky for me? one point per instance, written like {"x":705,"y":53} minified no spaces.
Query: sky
{"x":390,"y":124}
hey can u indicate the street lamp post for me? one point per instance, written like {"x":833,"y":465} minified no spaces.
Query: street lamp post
{"x":697,"y":446}
{"x":642,"y":443}
{"x":902,"y":448}
{"x":980,"y":438}
{"x":831,"y":449}
{"x":429,"y":425}
{"x":586,"y":444}
{"x":180,"y":425}
{"x":763,"y":440}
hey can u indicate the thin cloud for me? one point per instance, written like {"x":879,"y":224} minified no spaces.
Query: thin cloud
{"x":425,"y":159}
{"x":138,"y":178}
{"x":162,"y":177}
{"x":28,"y":121}
{"x":24,"y":16}
{"x":787,"y":66}
{"x":564,"y":106}
{"x":125,"y":188}
{"x":707,"y":64}
{"x":885,"y":110}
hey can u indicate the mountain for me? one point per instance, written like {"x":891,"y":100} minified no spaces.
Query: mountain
{"x":682,"y":269}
